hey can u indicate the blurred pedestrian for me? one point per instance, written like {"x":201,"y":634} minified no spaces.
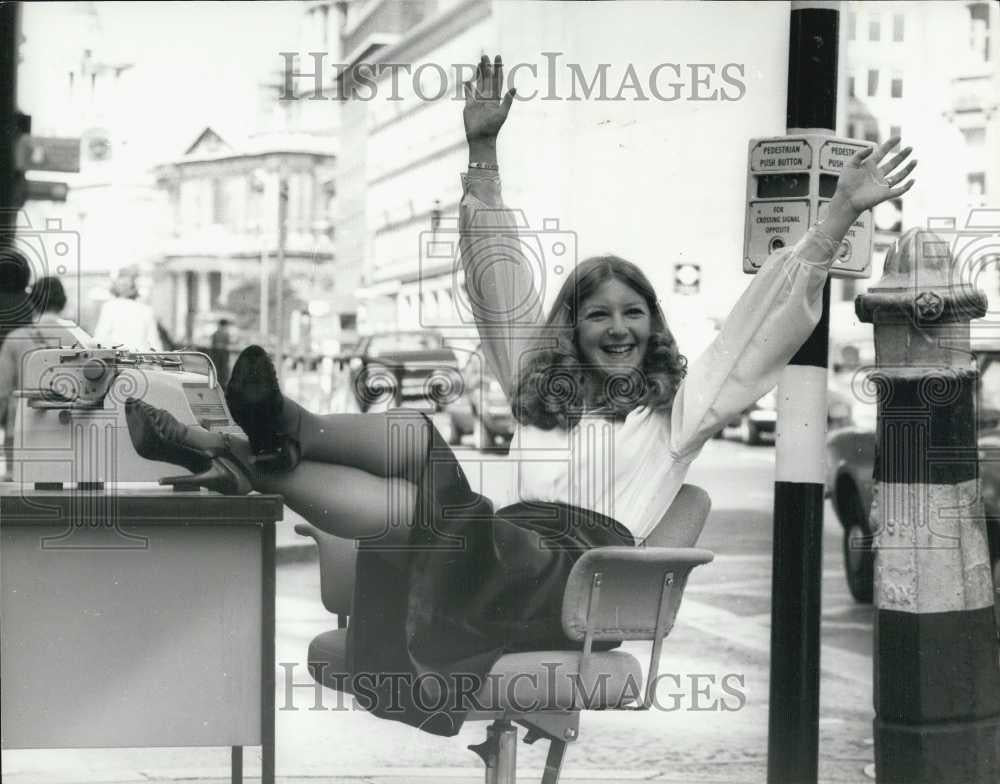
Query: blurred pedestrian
{"x":47,"y":300}
{"x":169,"y":344}
{"x":15,"y":301}
{"x":125,"y":321}
{"x":221,"y":340}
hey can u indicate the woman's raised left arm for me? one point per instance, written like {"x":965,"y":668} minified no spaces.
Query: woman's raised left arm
{"x":779,"y":309}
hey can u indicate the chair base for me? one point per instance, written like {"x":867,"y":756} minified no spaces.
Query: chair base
{"x":499,"y":750}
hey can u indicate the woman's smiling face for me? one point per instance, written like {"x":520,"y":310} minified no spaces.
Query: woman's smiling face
{"x":613,"y":327}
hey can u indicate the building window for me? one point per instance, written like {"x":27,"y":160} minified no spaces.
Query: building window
{"x":218,"y":201}
{"x":871,"y":133}
{"x":897,"y":87}
{"x":977,"y":184}
{"x":896,"y":131}
{"x":214,"y":288}
{"x":872,"y":83}
{"x":897,"y":27}
{"x":850,"y":86}
{"x":874,"y":27}
{"x":852,"y":26}
{"x":979,"y":29}
{"x":974,"y":137}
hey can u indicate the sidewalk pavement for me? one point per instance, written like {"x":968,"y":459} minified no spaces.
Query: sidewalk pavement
{"x":694,"y":774}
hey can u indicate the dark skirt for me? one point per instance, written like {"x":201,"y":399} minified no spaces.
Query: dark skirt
{"x":471,"y":585}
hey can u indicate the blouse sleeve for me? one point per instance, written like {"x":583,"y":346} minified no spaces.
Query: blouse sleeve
{"x":498,"y":279}
{"x":769,"y":323}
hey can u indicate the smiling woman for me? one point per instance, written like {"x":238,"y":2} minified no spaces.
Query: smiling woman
{"x":613,"y":350}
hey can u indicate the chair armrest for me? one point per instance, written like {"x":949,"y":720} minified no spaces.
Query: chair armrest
{"x":614,"y":593}
{"x":337,"y":558}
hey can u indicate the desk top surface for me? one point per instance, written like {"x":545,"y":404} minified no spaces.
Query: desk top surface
{"x":146,"y":504}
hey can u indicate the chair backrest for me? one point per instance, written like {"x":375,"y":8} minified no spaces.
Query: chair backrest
{"x":626,"y":593}
{"x":337,"y":558}
{"x":682,"y":523}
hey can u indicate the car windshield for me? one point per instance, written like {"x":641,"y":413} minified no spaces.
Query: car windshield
{"x":404,"y":341}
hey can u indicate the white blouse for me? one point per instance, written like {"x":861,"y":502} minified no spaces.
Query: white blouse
{"x":630,"y":470}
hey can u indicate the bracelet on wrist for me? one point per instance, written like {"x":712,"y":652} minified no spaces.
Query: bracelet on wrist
{"x":483,"y":165}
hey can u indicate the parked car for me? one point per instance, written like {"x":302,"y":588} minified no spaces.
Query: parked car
{"x":493,"y":424}
{"x":757,"y":423}
{"x":483,"y":411}
{"x":415,"y":369}
{"x":463,"y":417}
{"x":850,"y":466}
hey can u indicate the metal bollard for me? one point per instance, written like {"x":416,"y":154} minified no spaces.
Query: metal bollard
{"x":937,"y":676}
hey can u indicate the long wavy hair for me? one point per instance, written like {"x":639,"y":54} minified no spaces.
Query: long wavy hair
{"x":555,"y":388}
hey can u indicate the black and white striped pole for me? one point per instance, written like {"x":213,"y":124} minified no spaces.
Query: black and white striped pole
{"x":937,"y":674}
{"x":797,"y":567}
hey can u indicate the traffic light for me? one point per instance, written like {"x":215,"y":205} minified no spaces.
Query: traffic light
{"x":20,"y":152}
{"x":42,"y":153}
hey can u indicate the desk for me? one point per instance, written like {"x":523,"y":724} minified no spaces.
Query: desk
{"x":137,"y":618}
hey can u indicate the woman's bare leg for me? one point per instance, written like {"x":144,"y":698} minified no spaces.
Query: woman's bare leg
{"x":390,"y":444}
{"x":346,"y":501}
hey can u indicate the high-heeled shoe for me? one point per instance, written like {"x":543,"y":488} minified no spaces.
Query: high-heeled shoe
{"x":256,"y":403}
{"x":224,"y":475}
{"x":157,"y":435}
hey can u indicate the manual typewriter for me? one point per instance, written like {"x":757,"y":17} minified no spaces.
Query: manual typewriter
{"x":70,"y":429}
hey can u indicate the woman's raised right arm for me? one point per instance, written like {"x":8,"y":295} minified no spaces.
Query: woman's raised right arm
{"x":498,"y":279}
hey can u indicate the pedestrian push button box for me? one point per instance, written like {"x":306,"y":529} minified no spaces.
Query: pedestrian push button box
{"x":790,"y":182}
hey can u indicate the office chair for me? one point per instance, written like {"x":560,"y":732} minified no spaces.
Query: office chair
{"x":613,"y":593}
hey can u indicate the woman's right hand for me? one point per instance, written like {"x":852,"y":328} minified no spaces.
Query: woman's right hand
{"x":486,"y":106}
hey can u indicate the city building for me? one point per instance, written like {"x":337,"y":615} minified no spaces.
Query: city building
{"x":401,"y":121}
{"x":225,"y":207}
{"x":929,"y":72}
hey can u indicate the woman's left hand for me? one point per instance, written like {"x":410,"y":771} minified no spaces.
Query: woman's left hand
{"x":865,"y":183}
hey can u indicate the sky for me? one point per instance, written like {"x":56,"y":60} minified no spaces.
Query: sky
{"x":195,"y":64}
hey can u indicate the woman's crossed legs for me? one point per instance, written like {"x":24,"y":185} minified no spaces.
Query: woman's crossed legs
{"x":358,"y":474}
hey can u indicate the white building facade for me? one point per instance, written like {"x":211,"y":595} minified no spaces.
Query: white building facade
{"x":225,"y":207}
{"x":930,"y":72}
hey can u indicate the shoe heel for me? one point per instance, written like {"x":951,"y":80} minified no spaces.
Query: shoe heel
{"x":223,"y":476}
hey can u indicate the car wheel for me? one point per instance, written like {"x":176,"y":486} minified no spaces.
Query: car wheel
{"x":749,"y":434}
{"x":859,"y":557}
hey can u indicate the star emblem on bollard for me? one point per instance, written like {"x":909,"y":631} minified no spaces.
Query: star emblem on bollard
{"x":929,"y":305}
